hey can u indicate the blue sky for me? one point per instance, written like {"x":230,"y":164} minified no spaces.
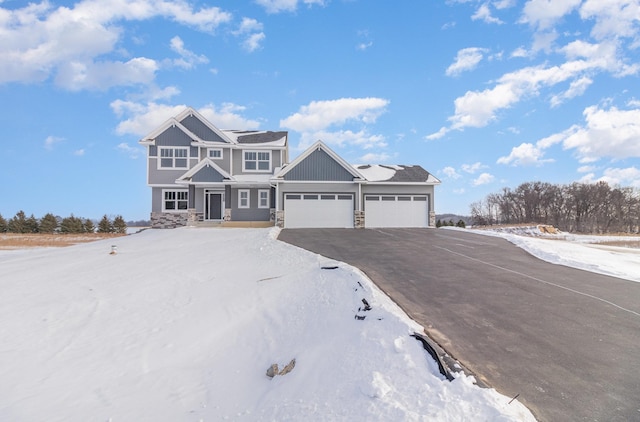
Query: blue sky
{"x":483,"y":94}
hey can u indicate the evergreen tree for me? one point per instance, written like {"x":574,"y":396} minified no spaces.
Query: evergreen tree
{"x":18,"y":223}
{"x":438,"y":223}
{"x":451,"y":223}
{"x":31,"y":225}
{"x":3,"y":224}
{"x":48,"y":223}
{"x":71,"y":224}
{"x":105,"y":226}
{"x":461,"y":223}
{"x":119,"y":225}
{"x":89,"y":227}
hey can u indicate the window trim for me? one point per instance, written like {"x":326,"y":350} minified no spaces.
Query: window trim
{"x":268,"y":202}
{"x":177,"y":209}
{"x":257,"y":161}
{"x":209,"y":150}
{"x":173,"y":158}
{"x":240,"y":198}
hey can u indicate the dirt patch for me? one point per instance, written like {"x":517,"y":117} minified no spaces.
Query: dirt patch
{"x":42,"y":240}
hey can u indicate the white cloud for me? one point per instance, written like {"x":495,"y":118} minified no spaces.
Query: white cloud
{"x":525,"y":154}
{"x":39,"y":41}
{"x":341,"y":138}
{"x":473,"y":168}
{"x":51,"y":141}
{"x":466,"y":59}
{"x":188,"y":59}
{"x":520,"y":52}
{"x":617,"y":18}
{"x":131,"y":152}
{"x":625,"y":177}
{"x":319,"y":115}
{"x":253,"y":42}
{"x":253,"y":34}
{"x":545,"y":13}
{"x":375,"y":157}
{"x":142,"y":118}
{"x":484,"y":14}
{"x":576,"y":88}
{"x":483,"y":179}
{"x":277,"y":6}
{"x":586,"y":169}
{"x":451,"y":172}
{"x":607,"y":133}
{"x":76,"y":76}
{"x":79,"y":152}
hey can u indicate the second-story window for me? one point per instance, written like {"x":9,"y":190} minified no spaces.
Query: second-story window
{"x":215,"y":153}
{"x":256,"y":161}
{"x":174,"y":157}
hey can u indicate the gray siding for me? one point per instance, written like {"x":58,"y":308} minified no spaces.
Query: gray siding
{"x":225,"y":162}
{"x":200,"y":129}
{"x":319,"y":166}
{"x":247,"y":214}
{"x":239,"y":153}
{"x":207,"y":174}
{"x":163,"y":177}
{"x":174,"y":137}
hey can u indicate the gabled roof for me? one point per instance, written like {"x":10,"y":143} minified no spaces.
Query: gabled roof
{"x":257,"y":137}
{"x":207,"y":162}
{"x":189,"y":111}
{"x":319,"y":145}
{"x":151,"y":137}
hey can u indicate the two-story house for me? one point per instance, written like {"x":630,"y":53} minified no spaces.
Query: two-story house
{"x":199,"y":173}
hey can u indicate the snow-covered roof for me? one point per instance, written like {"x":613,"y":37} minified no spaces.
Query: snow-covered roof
{"x":395,"y":173}
{"x":257,"y":137}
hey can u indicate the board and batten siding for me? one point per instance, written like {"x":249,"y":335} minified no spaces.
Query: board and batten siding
{"x":319,"y":166}
{"x":201,"y":130}
{"x":207,"y":175}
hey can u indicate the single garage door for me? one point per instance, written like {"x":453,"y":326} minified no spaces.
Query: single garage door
{"x":305,"y":210}
{"x":396,"y":211}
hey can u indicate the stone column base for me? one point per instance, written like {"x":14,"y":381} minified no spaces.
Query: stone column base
{"x":358,"y":219}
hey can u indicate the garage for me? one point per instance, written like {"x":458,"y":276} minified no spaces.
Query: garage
{"x":396,"y":211}
{"x":318,"y":210}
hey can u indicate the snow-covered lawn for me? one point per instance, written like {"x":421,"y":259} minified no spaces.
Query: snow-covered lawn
{"x":182,"y":325}
{"x":585,"y":252}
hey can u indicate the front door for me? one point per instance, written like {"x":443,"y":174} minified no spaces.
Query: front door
{"x":213,"y":205}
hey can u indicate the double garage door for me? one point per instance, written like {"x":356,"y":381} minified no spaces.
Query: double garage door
{"x":311,"y":210}
{"x":396,"y":211}
{"x":306,"y":210}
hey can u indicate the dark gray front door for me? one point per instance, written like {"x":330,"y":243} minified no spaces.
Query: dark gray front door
{"x":213,"y":206}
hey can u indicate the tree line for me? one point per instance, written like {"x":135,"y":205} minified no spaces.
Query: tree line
{"x":50,"y":223}
{"x":575,"y":207}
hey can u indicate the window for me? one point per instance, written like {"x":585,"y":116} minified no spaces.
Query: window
{"x":173,"y":158}
{"x":175,"y":200}
{"x":215,"y":153}
{"x":243,"y":198}
{"x":263,"y":198}
{"x":256,"y":161}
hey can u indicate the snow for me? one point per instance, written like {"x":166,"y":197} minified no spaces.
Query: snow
{"x":376,"y":172}
{"x":182,"y":325}
{"x":573,"y":250}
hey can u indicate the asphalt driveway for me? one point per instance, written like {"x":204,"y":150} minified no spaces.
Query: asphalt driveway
{"x":567,"y":341}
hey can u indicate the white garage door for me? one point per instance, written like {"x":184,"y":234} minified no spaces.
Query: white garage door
{"x":396,"y":211}
{"x":318,"y":210}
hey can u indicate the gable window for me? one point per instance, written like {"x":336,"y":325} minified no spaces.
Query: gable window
{"x":263,"y":198}
{"x":173,"y":157}
{"x":243,"y":198}
{"x":215,"y":153}
{"x":175,"y":200}
{"x":256,"y":161}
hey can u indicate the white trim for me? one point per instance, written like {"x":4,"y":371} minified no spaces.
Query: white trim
{"x":267,"y":205}
{"x":257,"y":161}
{"x":186,"y":178}
{"x":248,"y":198}
{"x":190,"y":111}
{"x":173,"y":158}
{"x":177,"y":200}
{"x":150,"y":139}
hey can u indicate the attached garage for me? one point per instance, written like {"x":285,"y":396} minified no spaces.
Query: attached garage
{"x":396,"y":211}
{"x":318,"y":210}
